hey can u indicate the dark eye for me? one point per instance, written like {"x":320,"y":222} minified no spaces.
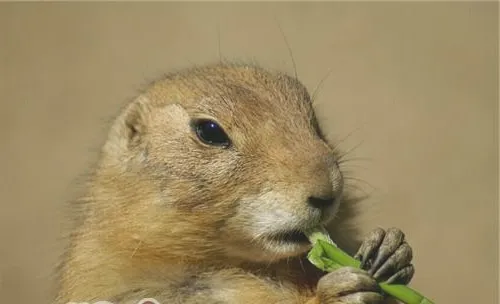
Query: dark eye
{"x":210,"y":133}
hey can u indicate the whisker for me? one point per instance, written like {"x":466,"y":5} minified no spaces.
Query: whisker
{"x":351,"y":168}
{"x":357,"y":188}
{"x":352,"y":159}
{"x":319,"y":85}
{"x":349,"y":172}
{"x":218,"y":43}
{"x":347,"y":178}
{"x":343,"y":139}
{"x":344,"y":154}
{"x":270,"y":262}
{"x":302,"y":266}
{"x":290,"y":53}
{"x":136,"y":248}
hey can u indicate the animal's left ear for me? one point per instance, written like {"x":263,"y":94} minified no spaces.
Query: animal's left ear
{"x":128,"y":130}
{"x":134,"y":121}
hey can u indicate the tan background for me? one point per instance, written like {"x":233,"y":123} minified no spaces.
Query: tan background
{"x":415,"y":84}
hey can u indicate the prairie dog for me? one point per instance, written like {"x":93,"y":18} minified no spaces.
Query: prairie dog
{"x":203,"y":191}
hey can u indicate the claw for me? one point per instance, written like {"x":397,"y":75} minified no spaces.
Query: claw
{"x":369,"y":246}
{"x":363,"y":298}
{"x":347,"y":280}
{"x":392,"y":240}
{"x":403,"y":276}
{"x":386,"y":254}
{"x":398,"y":260}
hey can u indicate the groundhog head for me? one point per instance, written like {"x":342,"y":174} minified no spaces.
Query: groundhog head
{"x":223,"y":159}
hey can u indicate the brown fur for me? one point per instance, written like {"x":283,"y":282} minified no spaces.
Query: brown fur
{"x":168,"y":217}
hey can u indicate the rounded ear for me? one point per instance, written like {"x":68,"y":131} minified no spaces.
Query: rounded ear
{"x":134,"y":121}
{"x":127,"y":131}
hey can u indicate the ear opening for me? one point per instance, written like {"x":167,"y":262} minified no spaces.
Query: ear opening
{"x":127,"y":133}
{"x":129,"y":128}
{"x":135,"y":121}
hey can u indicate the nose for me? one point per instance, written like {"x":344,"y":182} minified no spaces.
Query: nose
{"x":325,"y":186}
{"x":321,"y":202}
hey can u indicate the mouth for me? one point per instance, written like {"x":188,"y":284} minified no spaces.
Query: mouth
{"x":291,"y":236}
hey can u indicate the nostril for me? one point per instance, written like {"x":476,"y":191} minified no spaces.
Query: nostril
{"x":320,"y":202}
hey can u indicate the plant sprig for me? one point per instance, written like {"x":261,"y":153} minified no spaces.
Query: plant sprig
{"x":328,"y":257}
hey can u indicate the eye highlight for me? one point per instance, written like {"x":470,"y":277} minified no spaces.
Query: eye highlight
{"x":209,"y":132}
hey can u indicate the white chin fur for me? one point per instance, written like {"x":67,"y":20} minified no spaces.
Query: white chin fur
{"x":273,"y":213}
{"x":278,"y":250}
{"x":269,"y":217}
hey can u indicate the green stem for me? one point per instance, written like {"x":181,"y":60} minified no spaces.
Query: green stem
{"x":327,"y":256}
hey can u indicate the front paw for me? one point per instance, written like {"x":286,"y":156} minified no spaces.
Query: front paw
{"x":348,"y":285}
{"x":387,"y":256}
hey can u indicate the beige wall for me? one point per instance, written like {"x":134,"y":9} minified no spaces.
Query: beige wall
{"x":415,"y":84}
